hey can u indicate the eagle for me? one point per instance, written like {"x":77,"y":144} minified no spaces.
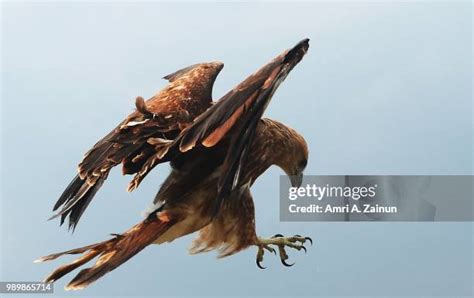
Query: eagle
{"x":216,"y":152}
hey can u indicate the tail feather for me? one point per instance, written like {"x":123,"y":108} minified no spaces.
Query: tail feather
{"x":65,"y":269}
{"x":111,"y":253}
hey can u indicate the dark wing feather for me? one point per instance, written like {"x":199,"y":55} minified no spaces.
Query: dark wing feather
{"x":234,"y":116}
{"x":126,"y":143}
{"x":120,"y":144}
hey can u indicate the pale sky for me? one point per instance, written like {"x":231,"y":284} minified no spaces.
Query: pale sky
{"x":385,"y":89}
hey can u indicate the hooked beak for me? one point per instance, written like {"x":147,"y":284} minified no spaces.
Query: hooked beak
{"x":296,"y":180}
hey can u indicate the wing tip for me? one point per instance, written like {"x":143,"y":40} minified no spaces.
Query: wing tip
{"x":295,"y":54}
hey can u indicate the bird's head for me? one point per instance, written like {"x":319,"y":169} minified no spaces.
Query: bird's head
{"x":295,"y":162}
{"x":291,"y":150}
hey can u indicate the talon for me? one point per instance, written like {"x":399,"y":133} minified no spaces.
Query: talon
{"x":270,"y":249}
{"x":281,"y":242}
{"x":286,"y":264}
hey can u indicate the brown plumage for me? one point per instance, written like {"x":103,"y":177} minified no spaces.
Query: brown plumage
{"x":233,"y":228}
{"x":186,"y":208}
{"x":233,"y":118}
{"x":162,"y":117}
{"x":111,"y":253}
{"x":215,"y":160}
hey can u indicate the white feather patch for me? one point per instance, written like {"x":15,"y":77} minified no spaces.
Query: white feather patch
{"x":133,"y":123}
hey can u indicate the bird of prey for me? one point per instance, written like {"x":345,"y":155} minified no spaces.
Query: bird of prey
{"x":215,"y":158}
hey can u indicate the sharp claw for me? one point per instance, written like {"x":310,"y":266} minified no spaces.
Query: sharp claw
{"x":270,"y":250}
{"x":286,"y":264}
{"x":259,"y":265}
{"x":282,"y":243}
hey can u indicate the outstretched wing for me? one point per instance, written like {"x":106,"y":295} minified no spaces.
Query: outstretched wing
{"x":162,"y":118}
{"x":234,"y":116}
